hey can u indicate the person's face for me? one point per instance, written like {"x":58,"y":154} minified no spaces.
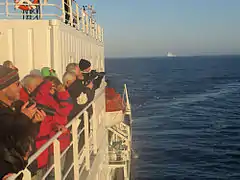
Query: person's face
{"x":12,"y":92}
{"x":36,"y":82}
{"x":69,"y":82}
{"x":77,"y":69}
{"x":87,"y":70}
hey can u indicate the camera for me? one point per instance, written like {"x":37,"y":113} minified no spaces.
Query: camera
{"x":92,"y":75}
{"x":49,"y":111}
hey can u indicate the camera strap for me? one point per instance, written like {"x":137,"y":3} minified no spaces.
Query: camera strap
{"x":12,"y":108}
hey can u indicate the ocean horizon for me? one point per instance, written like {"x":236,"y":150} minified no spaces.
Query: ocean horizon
{"x":181,"y":56}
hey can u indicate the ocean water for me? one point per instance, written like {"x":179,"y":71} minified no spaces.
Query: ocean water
{"x":186,"y":114}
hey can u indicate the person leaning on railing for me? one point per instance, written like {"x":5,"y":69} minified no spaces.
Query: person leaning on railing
{"x":19,"y":124}
{"x":73,"y":80}
{"x":64,"y":101}
{"x":82,"y":88}
{"x":51,"y":94}
{"x":73,"y":68}
{"x":91,"y":79}
{"x":90,"y":76}
{"x":79,"y":93}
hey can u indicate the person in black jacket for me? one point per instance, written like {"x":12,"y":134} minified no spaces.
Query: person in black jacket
{"x":90,"y":77}
{"x":19,"y":124}
{"x":76,"y":90}
{"x":81,"y":96}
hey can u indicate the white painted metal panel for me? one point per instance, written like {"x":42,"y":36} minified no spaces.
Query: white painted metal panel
{"x":26,"y":43}
{"x":35,"y":44}
{"x":74,"y":45}
{"x":113,"y":118}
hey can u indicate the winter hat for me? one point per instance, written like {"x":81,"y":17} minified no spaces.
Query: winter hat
{"x":46,"y":71}
{"x":9,"y":64}
{"x":7,"y":76}
{"x":84,"y":64}
{"x":36,"y":72}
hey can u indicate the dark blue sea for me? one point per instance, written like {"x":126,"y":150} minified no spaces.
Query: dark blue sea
{"x":186,"y":114}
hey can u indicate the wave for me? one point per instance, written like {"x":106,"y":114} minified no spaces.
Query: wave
{"x":217,"y":92}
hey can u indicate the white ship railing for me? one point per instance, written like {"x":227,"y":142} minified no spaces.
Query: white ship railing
{"x":120,"y":144}
{"x":79,"y":18}
{"x":81,"y":159}
{"x":119,"y":157}
{"x":127,"y":101}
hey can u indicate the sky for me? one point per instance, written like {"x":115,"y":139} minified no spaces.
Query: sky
{"x":139,"y":28}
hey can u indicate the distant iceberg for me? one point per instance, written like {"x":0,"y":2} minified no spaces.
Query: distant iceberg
{"x":171,"y":55}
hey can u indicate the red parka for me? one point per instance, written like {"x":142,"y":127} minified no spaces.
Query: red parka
{"x":48,"y":126}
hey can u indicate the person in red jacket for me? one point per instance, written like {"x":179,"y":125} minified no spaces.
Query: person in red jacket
{"x":52,"y":94}
{"x":64,"y":101}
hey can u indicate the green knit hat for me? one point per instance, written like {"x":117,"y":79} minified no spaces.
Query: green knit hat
{"x":46,"y":71}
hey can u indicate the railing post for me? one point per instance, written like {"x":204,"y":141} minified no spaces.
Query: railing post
{"x":90,"y":26}
{"x":40,"y":9}
{"x":27,"y":175}
{"x":94,"y":121}
{"x":78,"y":21}
{"x":57,"y":160}
{"x":87,"y":24}
{"x":129,"y":138}
{"x":87,"y":147}
{"x":7,"y":8}
{"x":96,"y":32}
{"x":99,"y":33}
{"x":128,"y":107}
{"x":71,"y":12}
{"x":125,"y":172}
{"x":75,"y":148}
{"x":63,"y":10}
{"x":102,"y":35}
{"x":83,"y":19}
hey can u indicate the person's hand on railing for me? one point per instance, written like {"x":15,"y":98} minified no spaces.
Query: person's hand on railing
{"x":62,"y":128}
{"x":7,"y":176}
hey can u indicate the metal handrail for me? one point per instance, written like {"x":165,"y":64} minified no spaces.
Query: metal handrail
{"x":119,"y":156}
{"x":47,"y":10}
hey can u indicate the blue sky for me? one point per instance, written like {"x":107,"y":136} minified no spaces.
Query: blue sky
{"x":135,"y":28}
